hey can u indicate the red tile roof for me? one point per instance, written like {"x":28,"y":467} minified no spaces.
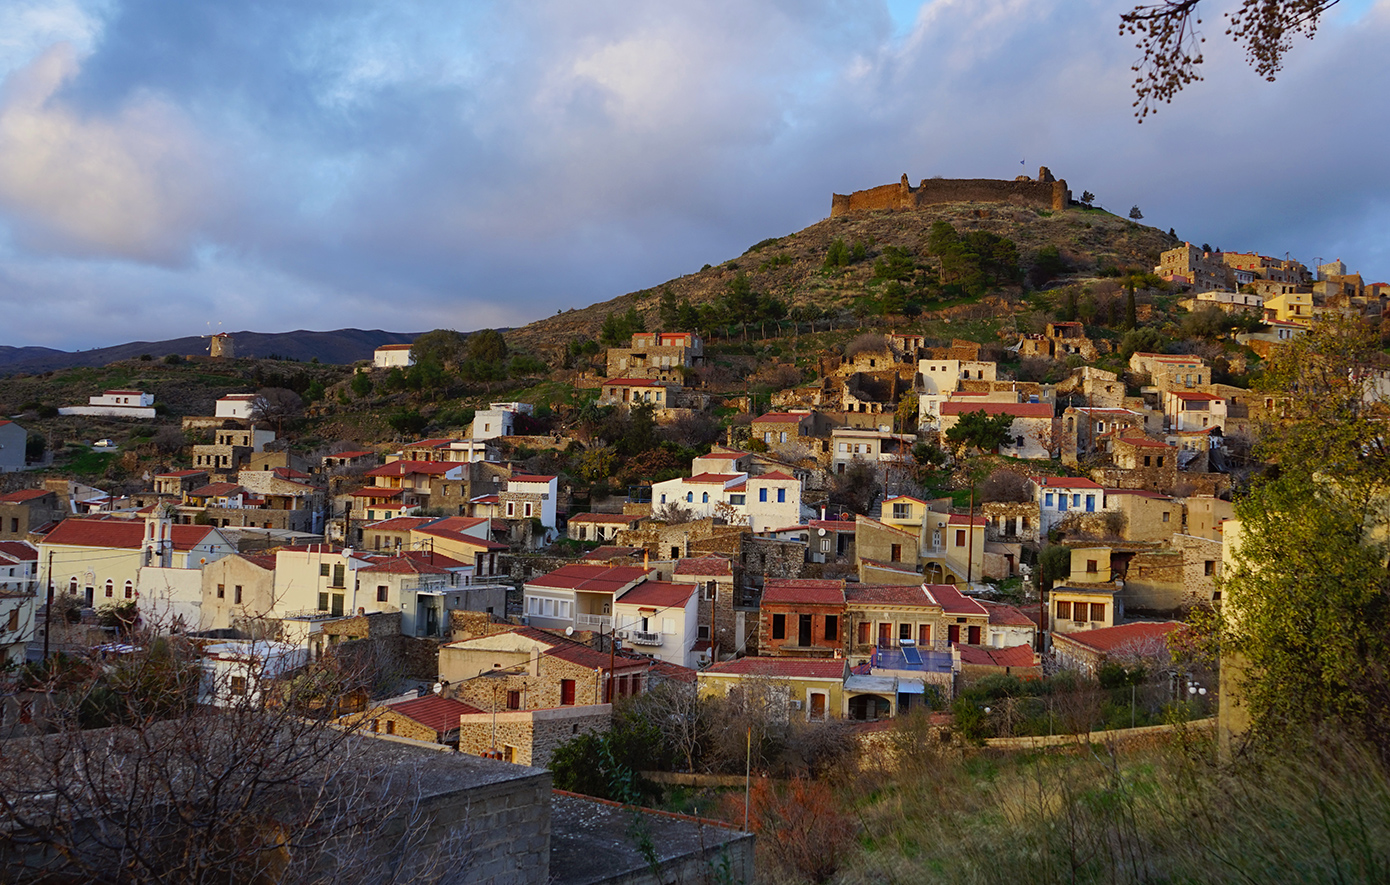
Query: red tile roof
{"x":659,"y":594}
{"x":833,"y":525}
{"x":610,"y":551}
{"x":263,"y":560}
{"x":1018,"y":410}
{"x":20,"y":551}
{"x":1195,"y":395}
{"x":962,"y":519}
{"x":216,"y":490}
{"x":23,"y":495}
{"x":376,"y":492}
{"x":414,"y":562}
{"x":1006,"y":615}
{"x":1108,"y":639}
{"x":886,"y":594}
{"x":590,"y":578}
{"x":1065,"y":482}
{"x":775,"y":475}
{"x":804,"y":591}
{"x":1014,"y":656}
{"x":126,"y":534}
{"x":952,"y":601}
{"x":781,"y":668}
{"x":713,"y":566}
{"x":717,"y":478}
{"x":675,"y":671}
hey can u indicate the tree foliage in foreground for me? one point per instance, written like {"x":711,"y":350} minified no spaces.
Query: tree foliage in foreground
{"x":1307,"y":600}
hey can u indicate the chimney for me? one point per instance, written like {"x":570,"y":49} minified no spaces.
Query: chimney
{"x":535,"y":665}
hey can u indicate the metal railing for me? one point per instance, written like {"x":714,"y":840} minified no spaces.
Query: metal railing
{"x":589,"y":622}
{"x":643,"y":637}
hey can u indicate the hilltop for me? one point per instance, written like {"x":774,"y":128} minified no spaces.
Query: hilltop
{"x":338,"y":347}
{"x":792,"y":267}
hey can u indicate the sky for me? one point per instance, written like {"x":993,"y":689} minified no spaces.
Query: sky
{"x":322,"y":164}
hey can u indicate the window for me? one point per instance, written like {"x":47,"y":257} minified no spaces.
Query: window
{"x":737,"y":500}
{"x":904,"y":632}
{"x":72,"y":586}
{"x":14,"y":524}
{"x":896,"y":554}
{"x":710,"y":590}
{"x":338,"y":575}
{"x":529,"y":505}
{"x":390,"y":726}
{"x":13,"y":623}
{"x":1147,"y":459}
{"x":382,"y":591}
{"x":832,"y":628}
{"x":704,"y":497}
{"x":1090,"y":566}
{"x":781,"y":496}
{"x":236,"y":594}
{"x":863,"y":632}
{"x":690,"y":497}
{"x":902,"y":511}
{"x":779,"y":626}
{"x":762,"y":495}
{"x":514,"y":700}
{"x":130,"y":590}
{"x":702,"y":632}
{"x":1209,"y":567}
{"x":1063,"y":610}
{"x":1160,"y":460}
{"x":511,"y":508}
{"x":323,"y":571}
{"x":1047,"y":500}
{"x":1097,"y":611}
{"x":323,"y":602}
{"x":221,"y":591}
{"x":1165,"y":516}
{"x":960,"y":537}
{"x":238,"y":685}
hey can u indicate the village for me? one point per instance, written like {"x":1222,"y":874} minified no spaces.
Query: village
{"x":797,"y":560}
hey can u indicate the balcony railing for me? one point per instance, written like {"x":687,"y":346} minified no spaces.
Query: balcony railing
{"x":593,"y":622}
{"x":643,"y":637}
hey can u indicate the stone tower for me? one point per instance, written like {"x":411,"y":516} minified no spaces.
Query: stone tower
{"x":222,"y":346}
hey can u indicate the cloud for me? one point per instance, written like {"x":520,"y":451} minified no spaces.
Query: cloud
{"x":130,"y":183}
{"x":322,"y":163}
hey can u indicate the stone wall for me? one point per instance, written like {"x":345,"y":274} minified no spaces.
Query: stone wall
{"x":1201,"y":568}
{"x":1044,"y":193}
{"x":770,"y":558}
{"x":534,"y":735}
{"x":1008,"y":521}
{"x":1153,"y":583}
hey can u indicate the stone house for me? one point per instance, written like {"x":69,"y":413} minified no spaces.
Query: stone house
{"x":1146,"y":515}
{"x":523,"y":668}
{"x":718,"y":620}
{"x":1193,"y":410}
{"x":529,"y":737}
{"x":1056,"y":496}
{"x":1086,"y":431}
{"x":599,"y":526}
{"x":530,"y":497}
{"x":888,"y":616}
{"x":1205,"y":515}
{"x":1010,"y":522}
{"x":659,"y":355}
{"x":628,"y":392}
{"x":802,"y":618}
{"x":1087,"y":650}
{"x":178,"y":483}
{"x":780,"y":429}
{"x":1201,"y":569}
{"x":1190,"y":267}
{"x":27,"y":510}
{"x":432,"y":719}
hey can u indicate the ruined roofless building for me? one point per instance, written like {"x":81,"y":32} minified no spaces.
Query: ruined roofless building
{"x":1044,"y":192}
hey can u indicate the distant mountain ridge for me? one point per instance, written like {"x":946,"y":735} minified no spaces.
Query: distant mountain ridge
{"x":338,"y":347}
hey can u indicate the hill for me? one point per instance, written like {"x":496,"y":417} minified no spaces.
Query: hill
{"x":338,"y":347}
{"x":792,"y":268}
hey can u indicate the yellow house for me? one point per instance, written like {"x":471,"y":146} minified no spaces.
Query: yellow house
{"x":1082,"y":607}
{"x":1291,"y":307}
{"x":950,"y":546}
{"x":789,"y":687}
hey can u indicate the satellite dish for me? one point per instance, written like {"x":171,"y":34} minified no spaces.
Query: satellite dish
{"x":821,"y":532}
{"x":439,"y":688}
{"x":569,"y":631}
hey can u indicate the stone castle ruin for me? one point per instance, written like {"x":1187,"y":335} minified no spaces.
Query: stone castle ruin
{"x":1044,"y":192}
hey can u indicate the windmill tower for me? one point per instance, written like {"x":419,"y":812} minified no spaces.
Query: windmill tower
{"x":220,"y":344}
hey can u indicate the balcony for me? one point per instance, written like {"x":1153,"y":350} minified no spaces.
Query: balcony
{"x":593,"y":622}
{"x":642,"y":637}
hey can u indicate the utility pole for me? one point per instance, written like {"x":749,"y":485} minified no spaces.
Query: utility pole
{"x":48,"y":609}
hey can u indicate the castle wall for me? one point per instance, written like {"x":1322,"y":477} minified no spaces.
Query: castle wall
{"x":1043,"y":193}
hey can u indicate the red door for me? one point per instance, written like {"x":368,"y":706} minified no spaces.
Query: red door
{"x":567,"y":692}
{"x":953,"y":633}
{"x":974,"y":635}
